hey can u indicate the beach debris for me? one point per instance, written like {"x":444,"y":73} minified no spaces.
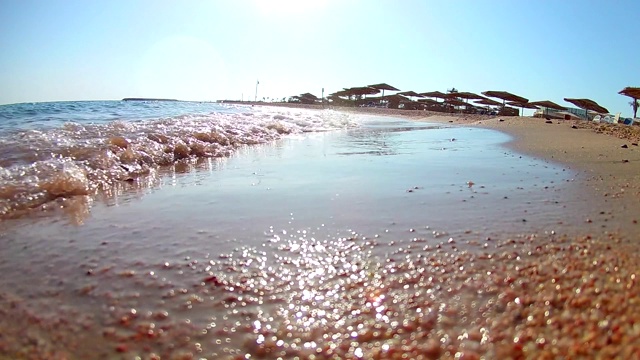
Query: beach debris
{"x":625,"y":146}
{"x":549,"y":122}
{"x":574,"y":127}
{"x":634,"y":144}
{"x":500,"y":120}
{"x":625,"y":161}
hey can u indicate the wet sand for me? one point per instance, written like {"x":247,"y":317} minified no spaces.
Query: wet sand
{"x":310,"y":293}
{"x":606,"y":158}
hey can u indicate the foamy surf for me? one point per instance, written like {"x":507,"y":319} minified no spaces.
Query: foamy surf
{"x":40,"y":165}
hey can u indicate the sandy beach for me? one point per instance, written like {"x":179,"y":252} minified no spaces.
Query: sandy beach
{"x":306,"y":293}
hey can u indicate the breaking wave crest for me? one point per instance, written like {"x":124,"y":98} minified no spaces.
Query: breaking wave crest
{"x":39,"y":166}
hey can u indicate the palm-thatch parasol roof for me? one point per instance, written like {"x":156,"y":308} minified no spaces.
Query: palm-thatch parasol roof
{"x":588,"y":104}
{"x":548,"y":104}
{"x":466,"y":95}
{"x":363,"y":90}
{"x":428,"y":101}
{"x":383,"y":87}
{"x":434,"y":94}
{"x":505,"y":96}
{"x":357,"y":91}
{"x":521,"y":105}
{"x":455,"y":102}
{"x":341,"y":93}
{"x":397,"y":97}
{"x":633,"y":92}
{"x":410,"y":93}
{"x":488,"y":102}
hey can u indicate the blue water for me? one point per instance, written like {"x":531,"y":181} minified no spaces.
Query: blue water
{"x":51,"y":115}
{"x":50,"y":151}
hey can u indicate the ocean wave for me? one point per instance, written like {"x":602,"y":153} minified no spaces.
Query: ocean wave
{"x":41,"y":165}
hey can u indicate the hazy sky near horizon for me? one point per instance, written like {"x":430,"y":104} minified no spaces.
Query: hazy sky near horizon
{"x":206,"y":50}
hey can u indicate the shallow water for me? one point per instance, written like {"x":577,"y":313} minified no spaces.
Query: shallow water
{"x":85,"y":150}
{"x":306,"y":204}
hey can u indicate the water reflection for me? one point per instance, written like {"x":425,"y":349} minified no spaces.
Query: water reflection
{"x":380,"y":138}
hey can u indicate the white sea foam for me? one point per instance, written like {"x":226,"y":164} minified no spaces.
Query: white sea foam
{"x":77,"y":158}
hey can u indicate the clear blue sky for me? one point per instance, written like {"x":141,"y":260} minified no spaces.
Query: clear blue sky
{"x":206,"y":50}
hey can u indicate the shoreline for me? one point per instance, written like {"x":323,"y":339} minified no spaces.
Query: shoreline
{"x":534,"y":295}
{"x":605,"y":157}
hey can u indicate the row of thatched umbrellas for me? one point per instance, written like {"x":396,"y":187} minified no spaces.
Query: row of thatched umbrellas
{"x":453,"y":98}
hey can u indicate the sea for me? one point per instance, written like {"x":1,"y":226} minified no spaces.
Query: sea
{"x":168,"y":229}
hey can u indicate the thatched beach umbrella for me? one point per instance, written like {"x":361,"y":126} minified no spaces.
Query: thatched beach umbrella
{"x":341,"y":93}
{"x":395,"y":100}
{"x":410,"y":94}
{"x":383,"y":87}
{"x":355,"y":91}
{"x":363,"y":90}
{"x":505,"y":96}
{"x":488,"y":102}
{"x":395,"y":97}
{"x":521,"y":105}
{"x":546,"y":104}
{"x":634,"y":93}
{"x":467,"y":95}
{"x":455,"y":102}
{"x":428,"y":101}
{"x":587,"y":104}
{"x":435,"y":94}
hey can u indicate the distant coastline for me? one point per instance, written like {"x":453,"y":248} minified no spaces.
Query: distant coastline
{"x":147,"y":99}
